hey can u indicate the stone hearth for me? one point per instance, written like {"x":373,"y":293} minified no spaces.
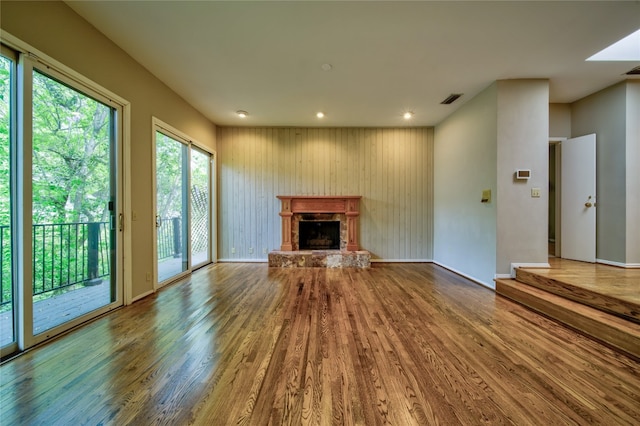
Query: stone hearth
{"x":320,"y":259}
{"x":296,"y":209}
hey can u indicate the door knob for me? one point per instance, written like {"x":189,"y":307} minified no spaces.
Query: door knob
{"x":588,"y":204}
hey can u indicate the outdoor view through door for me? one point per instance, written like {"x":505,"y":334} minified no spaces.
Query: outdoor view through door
{"x":200,"y":207}
{"x":171,"y":206}
{"x":183,"y":205}
{"x":7,"y":332}
{"x":58,"y":204}
{"x":73,"y":202}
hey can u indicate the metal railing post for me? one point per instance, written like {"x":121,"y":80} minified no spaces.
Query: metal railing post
{"x":93,"y":241}
{"x":177,"y":238}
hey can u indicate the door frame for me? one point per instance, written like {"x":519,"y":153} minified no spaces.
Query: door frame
{"x":211,"y":203}
{"x":585,"y":156}
{"x":555,"y":143}
{"x":158,"y":125}
{"x":30,"y":58}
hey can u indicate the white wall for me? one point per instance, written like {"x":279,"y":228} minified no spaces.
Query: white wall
{"x":480,"y":146}
{"x":559,"y":120}
{"x":604,"y":113}
{"x":465,"y":164}
{"x":633,"y":173}
{"x":392,"y":169}
{"x":55,"y":29}
{"x":523,"y":143}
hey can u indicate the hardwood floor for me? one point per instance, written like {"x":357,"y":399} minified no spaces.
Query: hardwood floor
{"x":598,"y":300}
{"x":401,"y":344}
{"x":618,"y":284}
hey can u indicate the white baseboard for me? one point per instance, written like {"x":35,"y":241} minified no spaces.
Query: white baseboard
{"x":142,"y":296}
{"x":372,"y":261}
{"x":527,"y":265}
{"x":243,"y":261}
{"x":619,"y":264}
{"x":502,"y":276}
{"x":462,"y":274}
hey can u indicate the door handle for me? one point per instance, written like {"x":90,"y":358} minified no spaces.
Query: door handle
{"x":158,"y":221}
{"x":589,"y":203}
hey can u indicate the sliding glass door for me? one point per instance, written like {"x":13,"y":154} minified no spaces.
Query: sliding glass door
{"x":201,"y":163}
{"x":59,"y":203}
{"x":172,"y":214}
{"x":7,"y":142}
{"x":73,"y":203}
{"x":183,"y":199}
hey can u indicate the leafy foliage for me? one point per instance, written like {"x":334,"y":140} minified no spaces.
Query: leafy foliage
{"x":5,"y":183}
{"x":71,"y":149}
{"x":171,"y":177}
{"x":71,"y":176}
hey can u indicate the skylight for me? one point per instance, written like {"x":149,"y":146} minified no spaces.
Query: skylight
{"x":627,"y":49}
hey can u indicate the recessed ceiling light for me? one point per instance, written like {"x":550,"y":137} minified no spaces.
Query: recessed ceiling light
{"x":241,"y":113}
{"x":407,"y":115}
{"x":320,"y":115}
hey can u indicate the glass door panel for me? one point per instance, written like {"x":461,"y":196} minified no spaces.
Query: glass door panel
{"x":73,"y":203}
{"x":200,"y":207}
{"x":7,"y":291}
{"x":172,"y":215}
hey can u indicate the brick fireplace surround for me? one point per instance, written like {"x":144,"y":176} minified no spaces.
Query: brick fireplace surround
{"x":306,"y":207}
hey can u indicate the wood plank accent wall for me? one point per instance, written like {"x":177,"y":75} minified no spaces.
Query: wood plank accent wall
{"x":391,"y":168}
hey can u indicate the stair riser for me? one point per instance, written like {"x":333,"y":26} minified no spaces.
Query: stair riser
{"x":611,"y":336}
{"x":602,"y":302}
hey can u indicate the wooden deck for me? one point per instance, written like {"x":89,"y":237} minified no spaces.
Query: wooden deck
{"x":56,"y":310}
{"x":405,"y":344}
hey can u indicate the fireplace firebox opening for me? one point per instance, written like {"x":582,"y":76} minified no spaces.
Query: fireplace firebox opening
{"x":319,"y":235}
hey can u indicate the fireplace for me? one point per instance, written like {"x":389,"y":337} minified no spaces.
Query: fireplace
{"x":319,"y":231}
{"x":319,"y":234}
{"x":341,"y":208}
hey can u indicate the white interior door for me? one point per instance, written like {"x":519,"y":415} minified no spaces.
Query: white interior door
{"x":578,"y":198}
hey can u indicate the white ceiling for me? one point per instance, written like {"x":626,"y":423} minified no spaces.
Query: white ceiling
{"x":387,"y":56}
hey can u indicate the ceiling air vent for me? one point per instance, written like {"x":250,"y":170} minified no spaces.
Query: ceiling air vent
{"x":451,"y":98}
{"x":634,"y":71}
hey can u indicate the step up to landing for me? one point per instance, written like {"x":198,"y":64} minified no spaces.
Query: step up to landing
{"x":574,"y":287}
{"x":610,"y":329}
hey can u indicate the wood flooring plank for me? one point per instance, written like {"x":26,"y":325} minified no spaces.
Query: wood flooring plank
{"x":408,"y":344}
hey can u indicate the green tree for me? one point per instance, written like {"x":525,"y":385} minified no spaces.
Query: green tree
{"x":5,"y":101}
{"x":71,"y":151}
{"x":5,"y":206}
{"x":170,"y":176}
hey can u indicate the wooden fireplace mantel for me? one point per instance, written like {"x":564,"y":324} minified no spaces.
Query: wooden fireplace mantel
{"x":347,"y":204}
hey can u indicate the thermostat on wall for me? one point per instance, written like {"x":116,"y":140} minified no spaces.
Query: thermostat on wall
{"x":523,"y":174}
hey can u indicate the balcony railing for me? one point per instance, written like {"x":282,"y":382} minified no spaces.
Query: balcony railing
{"x":69,"y":254}
{"x":170,"y":238}
{"x":5,"y":266}
{"x":64,"y":255}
